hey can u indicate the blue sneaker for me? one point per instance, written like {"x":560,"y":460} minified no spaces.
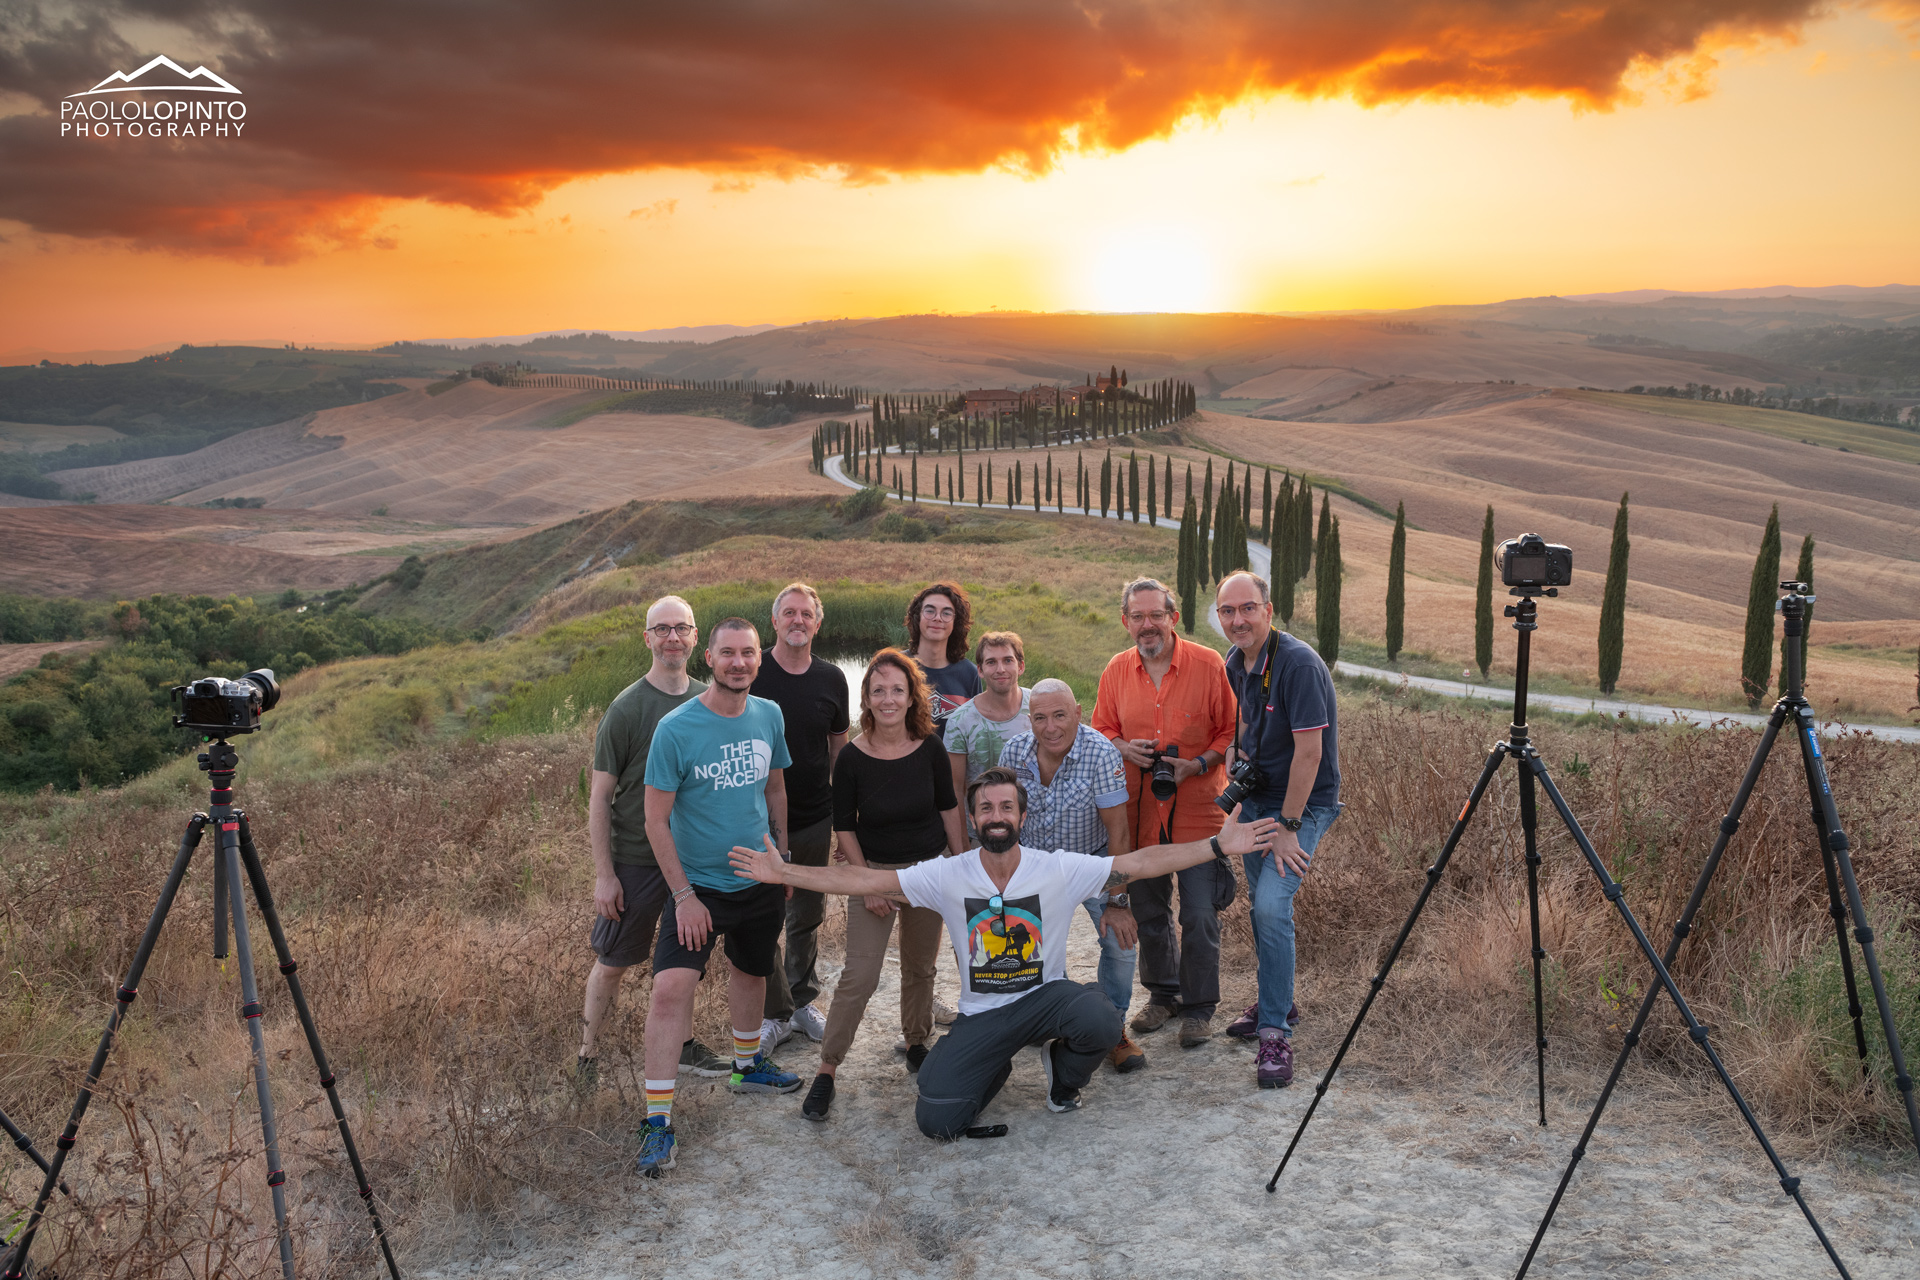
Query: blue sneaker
{"x":657,"y":1145}
{"x":763,"y":1076}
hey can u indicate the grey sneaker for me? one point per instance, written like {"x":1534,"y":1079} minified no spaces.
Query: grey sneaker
{"x":1059,"y":1097}
{"x":702,"y":1061}
{"x":944,"y":1014}
{"x":774,"y":1032}
{"x":810,"y":1022}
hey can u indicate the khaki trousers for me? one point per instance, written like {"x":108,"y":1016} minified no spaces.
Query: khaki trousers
{"x":867,"y":938}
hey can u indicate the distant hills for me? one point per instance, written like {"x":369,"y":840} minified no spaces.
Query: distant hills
{"x":679,"y":333}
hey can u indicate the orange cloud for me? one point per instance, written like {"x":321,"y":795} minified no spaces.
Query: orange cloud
{"x":350,"y":104}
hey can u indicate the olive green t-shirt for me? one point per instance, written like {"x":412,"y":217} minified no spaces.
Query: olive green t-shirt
{"x":620,"y":748}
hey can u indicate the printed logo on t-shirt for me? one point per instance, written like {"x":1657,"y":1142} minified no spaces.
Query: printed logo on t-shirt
{"x":945,"y":704}
{"x":1003,"y":947}
{"x":741,"y":764}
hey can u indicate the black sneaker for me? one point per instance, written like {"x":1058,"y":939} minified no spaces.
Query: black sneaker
{"x":819,"y":1098}
{"x":1059,"y":1097}
{"x":916,"y":1054}
{"x":702,"y":1061}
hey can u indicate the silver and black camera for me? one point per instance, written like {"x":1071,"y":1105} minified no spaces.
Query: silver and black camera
{"x":1244,"y":779}
{"x":1531,"y":563}
{"x":1163,"y":782}
{"x":219,"y":707}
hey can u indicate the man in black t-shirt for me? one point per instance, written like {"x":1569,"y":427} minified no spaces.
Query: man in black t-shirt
{"x":812,"y":694}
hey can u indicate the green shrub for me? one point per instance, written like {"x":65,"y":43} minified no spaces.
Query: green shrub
{"x":863,"y":504}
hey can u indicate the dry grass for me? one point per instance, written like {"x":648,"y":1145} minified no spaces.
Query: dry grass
{"x":436,"y":903}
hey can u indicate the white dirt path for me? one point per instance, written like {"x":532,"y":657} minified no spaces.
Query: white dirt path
{"x":1163,"y":1173}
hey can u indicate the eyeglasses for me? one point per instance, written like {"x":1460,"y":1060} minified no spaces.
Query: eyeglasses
{"x":1251,"y":609}
{"x":1156,"y":617}
{"x":678,"y":630}
{"x":998,"y":906}
{"x":935,"y":611}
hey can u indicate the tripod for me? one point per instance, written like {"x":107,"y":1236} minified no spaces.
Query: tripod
{"x":1834,"y":847}
{"x":233,"y":842}
{"x":1534,"y":770}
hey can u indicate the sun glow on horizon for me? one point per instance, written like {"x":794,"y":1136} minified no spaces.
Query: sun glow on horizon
{"x":1151,"y":267}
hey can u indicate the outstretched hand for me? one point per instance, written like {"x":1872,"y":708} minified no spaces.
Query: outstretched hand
{"x":1239,"y":837}
{"x":763,"y":864}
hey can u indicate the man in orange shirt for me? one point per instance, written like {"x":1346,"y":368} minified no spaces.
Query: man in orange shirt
{"x":1167,"y":693}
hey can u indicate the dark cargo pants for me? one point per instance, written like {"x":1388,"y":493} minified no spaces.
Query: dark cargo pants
{"x":972,"y":1061}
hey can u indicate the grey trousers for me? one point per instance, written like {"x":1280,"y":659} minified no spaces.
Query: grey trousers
{"x":795,"y":979}
{"x":972,"y":1061}
{"x":1186,"y":978}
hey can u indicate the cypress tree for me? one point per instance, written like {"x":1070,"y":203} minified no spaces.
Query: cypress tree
{"x":1397,"y":584}
{"x":1184,"y":569}
{"x":1153,"y":509}
{"x":1802,"y":574}
{"x":913,"y":464}
{"x":1483,"y":599}
{"x":1133,"y":486}
{"x":1037,"y":496}
{"x":1756,"y":658}
{"x":1168,"y":489}
{"x":1266,"y":504}
{"x":1246,"y":498}
{"x":982,"y":484}
{"x":1204,"y":547}
{"x":1190,"y":525}
{"x":1303,"y":536}
{"x":1326,"y":598}
{"x":1080,"y":481}
{"x":1013,"y":484}
{"x":1613,"y":603}
{"x":1189,"y":481}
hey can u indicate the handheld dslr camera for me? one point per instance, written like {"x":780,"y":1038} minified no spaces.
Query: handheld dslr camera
{"x":1246,"y":777}
{"x":1533,"y":566}
{"x":219,"y":708}
{"x":1162,"y":781}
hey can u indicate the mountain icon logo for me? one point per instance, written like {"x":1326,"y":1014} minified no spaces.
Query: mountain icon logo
{"x":167,"y":76}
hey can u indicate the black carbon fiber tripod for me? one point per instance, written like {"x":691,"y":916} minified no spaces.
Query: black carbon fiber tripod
{"x":233,"y":844}
{"x":1533,"y":770}
{"x":1843,"y":891}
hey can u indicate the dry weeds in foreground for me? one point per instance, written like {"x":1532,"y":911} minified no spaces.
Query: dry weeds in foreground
{"x":436,"y":906}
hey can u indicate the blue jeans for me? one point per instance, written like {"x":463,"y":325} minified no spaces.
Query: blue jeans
{"x":1116,"y":962}
{"x":1272,"y":889}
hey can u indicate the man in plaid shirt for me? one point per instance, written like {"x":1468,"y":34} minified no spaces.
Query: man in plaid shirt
{"x":1077,"y":800}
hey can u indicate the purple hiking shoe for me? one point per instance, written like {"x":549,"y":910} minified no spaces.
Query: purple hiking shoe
{"x":1274,"y":1066}
{"x":1247,"y":1025}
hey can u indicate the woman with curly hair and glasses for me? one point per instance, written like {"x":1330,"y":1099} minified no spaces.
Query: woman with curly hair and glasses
{"x":938,"y":620}
{"x":893,"y":806}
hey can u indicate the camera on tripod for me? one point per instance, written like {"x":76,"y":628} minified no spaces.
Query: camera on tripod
{"x":1532,"y":564}
{"x":1163,"y":782}
{"x":218,"y":707}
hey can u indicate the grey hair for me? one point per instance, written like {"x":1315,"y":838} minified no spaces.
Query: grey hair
{"x":1147,"y":584}
{"x":1054,"y":685}
{"x":668,"y":600}
{"x":1254,"y":578}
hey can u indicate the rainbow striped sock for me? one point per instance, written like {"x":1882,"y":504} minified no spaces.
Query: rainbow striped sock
{"x":660,"y":1099}
{"x":745,"y":1048}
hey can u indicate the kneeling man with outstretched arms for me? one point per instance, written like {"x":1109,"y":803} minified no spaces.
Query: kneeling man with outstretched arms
{"x":1007,"y":908}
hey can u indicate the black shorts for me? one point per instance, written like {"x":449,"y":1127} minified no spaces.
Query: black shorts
{"x":750,"y":919}
{"x":625,"y":942}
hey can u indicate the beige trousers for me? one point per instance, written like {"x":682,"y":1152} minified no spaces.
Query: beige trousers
{"x":867,"y":938}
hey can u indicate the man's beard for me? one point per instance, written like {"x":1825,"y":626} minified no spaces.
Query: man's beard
{"x":998,"y":837}
{"x":1151,"y":644}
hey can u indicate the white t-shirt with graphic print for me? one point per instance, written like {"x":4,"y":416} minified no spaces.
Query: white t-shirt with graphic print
{"x":1008,"y":952}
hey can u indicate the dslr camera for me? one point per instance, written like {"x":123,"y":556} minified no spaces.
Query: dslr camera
{"x":1244,"y":778}
{"x":219,"y":707}
{"x":1162,"y":780}
{"x":1531,"y":563}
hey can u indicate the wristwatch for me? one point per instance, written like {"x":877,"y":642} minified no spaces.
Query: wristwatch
{"x":1205,"y":764}
{"x":1119,"y":900}
{"x":1293,"y":824}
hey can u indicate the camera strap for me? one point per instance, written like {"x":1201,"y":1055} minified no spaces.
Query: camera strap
{"x":1266,"y":685}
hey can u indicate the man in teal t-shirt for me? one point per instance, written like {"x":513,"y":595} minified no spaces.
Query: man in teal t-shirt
{"x":715,"y":779}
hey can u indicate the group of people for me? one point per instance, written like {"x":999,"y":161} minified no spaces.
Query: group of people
{"x":967,"y":803}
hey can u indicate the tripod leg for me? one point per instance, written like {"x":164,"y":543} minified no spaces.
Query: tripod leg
{"x":1393,"y":953}
{"x":263,"y":899}
{"x":1836,"y":908}
{"x":219,"y":908}
{"x":1529,"y":823}
{"x":17,"y":1265}
{"x":1696,"y":1030}
{"x":1728,"y":826}
{"x":25,"y":1144}
{"x":228,"y":837}
{"x":1836,"y":839}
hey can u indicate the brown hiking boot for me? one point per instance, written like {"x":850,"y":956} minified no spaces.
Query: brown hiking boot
{"x":1126,"y":1055}
{"x":1195,"y":1031}
{"x":1151,"y":1018}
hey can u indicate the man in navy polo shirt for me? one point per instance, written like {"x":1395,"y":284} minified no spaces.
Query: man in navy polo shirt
{"x":1287,"y":727}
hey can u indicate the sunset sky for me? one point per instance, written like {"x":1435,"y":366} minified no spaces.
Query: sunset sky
{"x":504,"y":168}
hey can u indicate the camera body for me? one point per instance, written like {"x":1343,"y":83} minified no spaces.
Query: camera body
{"x":1531,"y":563}
{"x":1162,"y":780}
{"x":1243,"y":779}
{"x":218,"y":707}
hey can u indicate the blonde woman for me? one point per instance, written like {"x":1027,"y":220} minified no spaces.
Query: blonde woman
{"x":893,"y":806}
